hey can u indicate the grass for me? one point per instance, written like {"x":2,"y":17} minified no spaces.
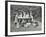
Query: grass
{"x":21,"y":29}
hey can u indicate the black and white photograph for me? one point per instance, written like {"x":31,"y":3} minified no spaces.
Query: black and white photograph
{"x":25,"y":18}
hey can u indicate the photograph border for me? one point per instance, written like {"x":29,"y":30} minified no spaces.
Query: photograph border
{"x":6,"y":18}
